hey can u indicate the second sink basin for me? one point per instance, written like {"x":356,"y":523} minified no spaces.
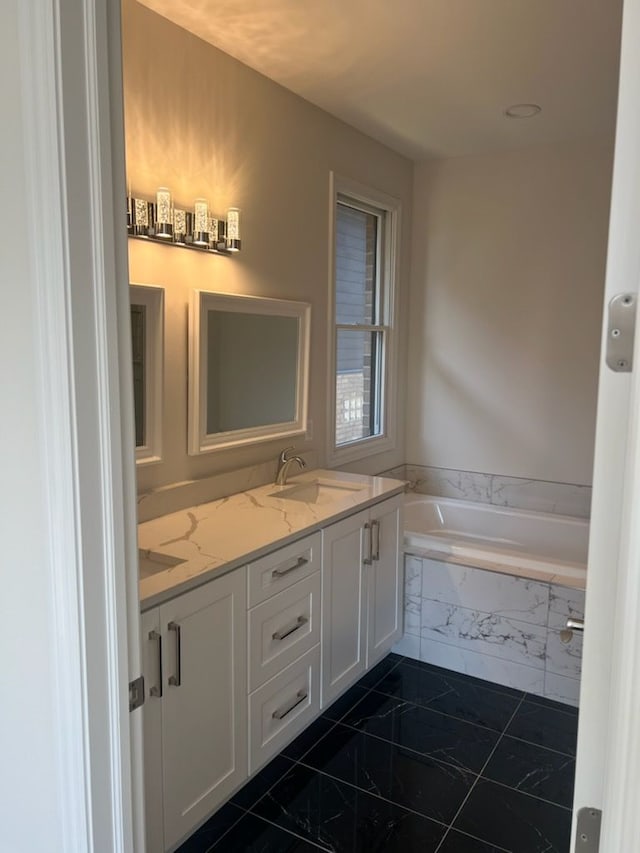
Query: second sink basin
{"x":313,"y":491}
{"x":150,"y":563}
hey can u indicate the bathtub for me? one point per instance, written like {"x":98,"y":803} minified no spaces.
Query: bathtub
{"x":489,"y":589}
{"x":514,"y":541}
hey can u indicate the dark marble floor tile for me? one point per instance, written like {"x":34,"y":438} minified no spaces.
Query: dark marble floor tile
{"x":514,"y":820}
{"x":345,"y":819}
{"x":407,"y":778}
{"x":457,"y":842}
{"x":428,"y":732}
{"x":440,"y":692}
{"x":260,"y":784}
{"x":380,"y":670}
{"x":345,"y":702}
{"x":204,"y":838}
{"x":551,"y":703}
{"x":254,"y":835}
{"x":534,"y":770}
{"x":308,"y":738}
{"x":461,"y":676}
{"x":545,"y":726}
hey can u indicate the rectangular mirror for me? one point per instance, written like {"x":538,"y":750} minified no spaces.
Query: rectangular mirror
{"x":147,"y":322}
{"x":248,"y":369}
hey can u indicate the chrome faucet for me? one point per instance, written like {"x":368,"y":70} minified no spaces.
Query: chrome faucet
{"x":284,"y":461}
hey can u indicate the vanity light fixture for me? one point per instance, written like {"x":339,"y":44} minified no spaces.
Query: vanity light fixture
{"x":160,"y":220}
{"x":164,"y":214}
{"x":233,"y":230}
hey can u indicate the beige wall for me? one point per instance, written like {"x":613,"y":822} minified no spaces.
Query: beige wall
{"x":204,"y":124}
{"x":505,"y":309}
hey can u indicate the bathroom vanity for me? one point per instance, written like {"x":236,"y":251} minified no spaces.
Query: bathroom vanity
{"x":259,"y":610}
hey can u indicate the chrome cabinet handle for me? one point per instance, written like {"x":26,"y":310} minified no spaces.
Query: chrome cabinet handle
{"x":156,"y":690}
{"x":285,"y":632}
{"x":281,"y":713}
{"x":369,"y":558}
{"x":278,"y":573}
{"x":575,"y":624}
{"x":176,"y":680}
{"x":375,"y":525}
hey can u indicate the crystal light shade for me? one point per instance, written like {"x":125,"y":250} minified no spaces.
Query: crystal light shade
{"x":179,"y":225}
{"x":201,"y":222}
{"x":141,"y":217}
{"x":164,"y":217}
{"x":233,"y":229}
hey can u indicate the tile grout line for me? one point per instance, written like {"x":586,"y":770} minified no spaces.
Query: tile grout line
{"x":471,"y":790}
{"x":373,"y":794}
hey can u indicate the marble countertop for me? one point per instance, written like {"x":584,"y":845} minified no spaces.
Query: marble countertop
{"x":192,"y":546}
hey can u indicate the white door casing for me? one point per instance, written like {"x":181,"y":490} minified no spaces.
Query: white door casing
{"x":69,"y":437}
{"x":608,"y":769}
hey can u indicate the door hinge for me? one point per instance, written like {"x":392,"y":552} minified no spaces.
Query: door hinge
{"x":588,"y":830}
{"x":136,"y":693}
{"x":621,"y":328}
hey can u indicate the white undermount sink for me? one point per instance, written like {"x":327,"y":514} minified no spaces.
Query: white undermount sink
{"x":313,"y":491}
{"x":150,"y":563}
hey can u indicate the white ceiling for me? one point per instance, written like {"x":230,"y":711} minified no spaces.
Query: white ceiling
{"x":430,"y":77}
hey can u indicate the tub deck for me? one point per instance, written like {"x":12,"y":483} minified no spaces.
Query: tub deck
{"x":518,"y":542}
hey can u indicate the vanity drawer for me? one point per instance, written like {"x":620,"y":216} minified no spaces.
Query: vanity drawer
{"x":283,"y":628}
{"x":283,"y":707}
{"x":284,"y":567}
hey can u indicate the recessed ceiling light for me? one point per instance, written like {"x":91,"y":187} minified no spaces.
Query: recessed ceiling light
{"x":522,"y":110}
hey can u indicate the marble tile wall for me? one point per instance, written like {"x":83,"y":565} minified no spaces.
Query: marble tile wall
{"x":505,"y":629}
{"x":537,"y":495}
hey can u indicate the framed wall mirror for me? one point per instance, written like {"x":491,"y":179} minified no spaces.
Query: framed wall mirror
{"x":147,"y":336}
{"x":248,"y":370}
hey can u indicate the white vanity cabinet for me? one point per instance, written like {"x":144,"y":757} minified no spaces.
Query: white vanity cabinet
{"x":195,"y":715}
{"x":361,"y":593}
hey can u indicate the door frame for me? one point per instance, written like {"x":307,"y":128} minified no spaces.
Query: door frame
{"x":608,"y":756}
{"x":71,"y":126}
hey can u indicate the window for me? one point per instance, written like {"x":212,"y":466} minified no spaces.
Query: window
{"x":364,"y":242}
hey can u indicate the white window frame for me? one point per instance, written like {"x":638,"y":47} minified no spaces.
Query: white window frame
{"x":339,"y":189}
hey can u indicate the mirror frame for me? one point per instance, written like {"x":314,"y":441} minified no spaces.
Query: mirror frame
{"x":199,"y":441}
{"x":152,"y":297}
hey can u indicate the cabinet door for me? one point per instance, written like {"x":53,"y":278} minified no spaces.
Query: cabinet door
{"x":204,"y":707}
{"x":152,"y":729}
{"x":385,"y":579}
{"x":343,"y":605}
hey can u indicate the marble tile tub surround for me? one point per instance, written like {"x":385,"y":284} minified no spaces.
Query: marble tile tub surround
{"x":179,"y":496}
{"x":505,"y":629}
{"x":218,"y":536}
{"x":536,"y":495}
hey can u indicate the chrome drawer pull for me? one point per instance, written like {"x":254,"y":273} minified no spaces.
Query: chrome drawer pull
{"x":278,"y":573}
{"x":285,"y":632}
{"x":156,"y":690}
{"x":281,"y":713}
{"x":369,"y":558}
{"x":375,"y":525}
{"x":176,"y":680}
